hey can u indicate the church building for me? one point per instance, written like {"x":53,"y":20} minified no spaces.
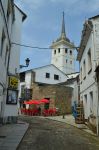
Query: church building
{"x":63,"y":52}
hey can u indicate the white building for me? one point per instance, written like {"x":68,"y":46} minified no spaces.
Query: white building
{"x":63,"y":52}
{"x":48,"y":74}
{"x":73,"y":81}
{"x":88,"y":55}
{"x":11,"y":18}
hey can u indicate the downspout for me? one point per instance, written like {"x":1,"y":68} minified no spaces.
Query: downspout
{"x":97,"y":111}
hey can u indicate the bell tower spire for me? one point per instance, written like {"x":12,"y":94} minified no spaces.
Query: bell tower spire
{"x":63,"y":34}
{"x":63,"y":51}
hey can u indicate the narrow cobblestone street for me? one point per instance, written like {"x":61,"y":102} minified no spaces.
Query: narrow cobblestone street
{"x":44,"y":134}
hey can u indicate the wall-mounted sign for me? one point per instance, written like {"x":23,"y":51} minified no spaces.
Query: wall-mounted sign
{"x":13,"y":82}
{"x":12,"y":96}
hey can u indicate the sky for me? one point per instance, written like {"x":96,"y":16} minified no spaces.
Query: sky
{"x":43,"y":26}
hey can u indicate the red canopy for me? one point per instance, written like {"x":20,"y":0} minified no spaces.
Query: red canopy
{"x":36,"y":102}
{"x":44,"y":100}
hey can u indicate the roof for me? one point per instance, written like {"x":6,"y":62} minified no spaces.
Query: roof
{"x":97,"y":69}
{"x":84,"y":38}
{"x":43,"y":67}
{"x":24,"y":15}
{"x":73,"y":73}
{"x":94,"y":17}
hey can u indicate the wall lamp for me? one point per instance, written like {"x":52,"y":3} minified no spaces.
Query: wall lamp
{"x":27,"y":60}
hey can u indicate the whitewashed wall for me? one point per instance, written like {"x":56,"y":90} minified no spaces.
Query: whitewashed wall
{"x":89,"y":84}
{"x":59,"y":59}
{"x":40,"y":75}
{"x":3,"y":63}
{"x":12,"y":110}
{"x":28,"y":78}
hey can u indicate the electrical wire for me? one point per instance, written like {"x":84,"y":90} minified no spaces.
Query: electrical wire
{"x":37,"y":47}
{"x":23,"y":45}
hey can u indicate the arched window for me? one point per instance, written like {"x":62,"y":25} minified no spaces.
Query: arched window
{"x":66,"y":60}
{"x":66,"y":50}
{"x":55,"y":51}
{"x":70,"y":52}
{"x":71,"y":62}
{"x":58,"y":50}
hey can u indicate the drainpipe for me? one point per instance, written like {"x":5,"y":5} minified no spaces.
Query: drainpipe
{"x":97,"y":106}
{"x":98,"y":113}
{"x":97,"y":117}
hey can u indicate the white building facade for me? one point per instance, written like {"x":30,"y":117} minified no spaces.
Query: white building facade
{"x":11,"y":18}
{"x":88,"y":55}
{"x":63,"y":52}
{"x":48,"y":74}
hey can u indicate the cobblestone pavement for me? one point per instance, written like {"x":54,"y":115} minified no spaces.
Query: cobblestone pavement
{"x":44,"y":134}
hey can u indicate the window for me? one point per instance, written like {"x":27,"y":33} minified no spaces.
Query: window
{"x":66,"y":60}
{"x":56,"y":77}
{"x":70,"y":52}
{"x":89,"y":61}
{"x":86,"y":107}
{"x":12,"y":96}
{"x":46,"y":106}
{"x":22,"y":77}
{"x":91,"y":102}
{"x":54,"y":51}
{"x":47,"y":75}
{"x":8,"y":10}
{"x":2,"y":42}
{"x":66,"y":50}
{"x":6,"y":55}
{"x":84,"y":69}
{"x":70,"y":62}
{"x":81,"y":74}
{"x":58,"y":50}
{"x":23,"y":91}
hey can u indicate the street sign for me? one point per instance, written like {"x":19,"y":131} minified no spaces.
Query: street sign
{"x":13,"y":82}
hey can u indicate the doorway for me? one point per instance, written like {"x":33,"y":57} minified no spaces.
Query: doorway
{"x":46,"y":106}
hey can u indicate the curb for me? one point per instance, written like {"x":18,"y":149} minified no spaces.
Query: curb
{"x":23,"y":134}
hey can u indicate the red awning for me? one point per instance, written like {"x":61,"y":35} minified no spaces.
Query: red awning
{"x":44,"y":100}
{"x":36,"y":102}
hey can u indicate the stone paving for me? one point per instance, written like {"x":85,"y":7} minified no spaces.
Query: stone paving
{"x":11,"y":135}
{"x":69,"y":119}
{"x":48,"y":134}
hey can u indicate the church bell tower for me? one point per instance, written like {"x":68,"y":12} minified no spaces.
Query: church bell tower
{"x":63,"y":52}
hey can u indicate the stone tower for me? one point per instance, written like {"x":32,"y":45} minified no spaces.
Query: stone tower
{"x":63,"y":52}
